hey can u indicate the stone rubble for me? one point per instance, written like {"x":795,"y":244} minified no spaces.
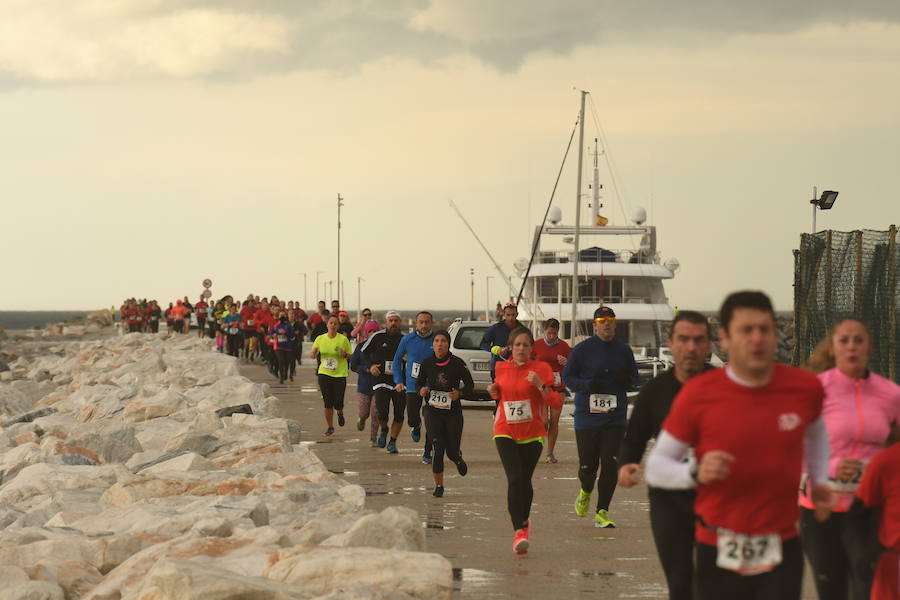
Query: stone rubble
{"x":142,"y":466}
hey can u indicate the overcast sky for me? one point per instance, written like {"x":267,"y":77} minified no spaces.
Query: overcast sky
{"x":147,"y":144}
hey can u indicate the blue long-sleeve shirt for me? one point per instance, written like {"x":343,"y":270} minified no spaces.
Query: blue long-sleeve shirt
{"x":364,"y":379}
{"x":595,"y":367}
{"x":496,"y":335}
{"x":416,"y":349}
{"x":284,"y":336}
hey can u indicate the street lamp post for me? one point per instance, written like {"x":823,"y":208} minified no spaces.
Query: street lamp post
{"x":472,"y":304}
{"x":487,"y":297}
{"x":340,"y":203}
{"x":825,"y":202}
{"x":359,"y":281}
{"x":317,"y":286}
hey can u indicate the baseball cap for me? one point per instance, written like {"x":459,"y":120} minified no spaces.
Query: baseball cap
{"x":392,"y":313}
{"x":604,"y":311}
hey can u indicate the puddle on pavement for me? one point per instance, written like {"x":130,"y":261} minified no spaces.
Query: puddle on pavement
{"x":598,"y":574}
{"x":344,"y":473}
{"x":472,"y":579}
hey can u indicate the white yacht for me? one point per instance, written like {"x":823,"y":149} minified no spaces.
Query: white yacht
{"x":576,"y":267}
{"x":621,"y":269}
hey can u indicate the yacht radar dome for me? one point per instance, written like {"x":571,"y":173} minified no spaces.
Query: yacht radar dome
{"x":639,"y":215}
{"x":672,"y":264}
{"x":520,"y":264}
{"x":555,"y":215}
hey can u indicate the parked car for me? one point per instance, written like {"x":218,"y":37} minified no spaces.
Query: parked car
{"x":465,"y":342}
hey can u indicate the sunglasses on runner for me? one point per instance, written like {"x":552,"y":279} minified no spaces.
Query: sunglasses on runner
{"x":605,"y":319}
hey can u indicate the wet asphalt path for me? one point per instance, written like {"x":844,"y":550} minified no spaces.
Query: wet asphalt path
{"x":569,"y":557}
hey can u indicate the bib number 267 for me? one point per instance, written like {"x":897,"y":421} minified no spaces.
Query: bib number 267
{"x":748,"y":554}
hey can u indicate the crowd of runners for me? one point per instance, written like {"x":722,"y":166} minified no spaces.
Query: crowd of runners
{"x":754,"y":465}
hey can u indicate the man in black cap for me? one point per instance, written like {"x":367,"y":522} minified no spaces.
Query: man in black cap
{"x":497,"y":335}
{"x":600,"y":370}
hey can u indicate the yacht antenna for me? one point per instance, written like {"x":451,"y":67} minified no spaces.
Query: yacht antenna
{"x":577,"y":222}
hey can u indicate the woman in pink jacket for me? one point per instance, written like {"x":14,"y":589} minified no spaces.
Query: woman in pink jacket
{"x":861,"y":409}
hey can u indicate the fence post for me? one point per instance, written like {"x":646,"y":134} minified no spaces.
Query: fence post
{"x":858,"y":286}
{"x":892,"y":302}
{"x":829,"y":307}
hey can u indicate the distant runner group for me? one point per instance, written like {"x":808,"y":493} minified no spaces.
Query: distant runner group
{"x":754,"y":465}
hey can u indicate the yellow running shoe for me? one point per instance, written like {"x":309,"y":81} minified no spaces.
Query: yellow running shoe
{"x":581,"y":502}
{"x":601,"y":519}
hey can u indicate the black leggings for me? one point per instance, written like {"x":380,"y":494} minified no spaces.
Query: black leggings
{"x":672,"y":523}
{"x":445,"y":429}
{"x":384,"y":398}
{"x":598,"y":448}
{"x":839,"y":553}
{"x":333,"y":389}
{"x":414,"y":414}
{"x":519,"y":461}
{"x":781,"y":583}
{"x":285,"y":359}
{"x":234,"y":341}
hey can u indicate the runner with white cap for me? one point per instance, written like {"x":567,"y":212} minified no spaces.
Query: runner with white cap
{"x":378,"y":357}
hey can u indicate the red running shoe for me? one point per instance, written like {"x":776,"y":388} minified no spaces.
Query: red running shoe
{"x":520,"y":542}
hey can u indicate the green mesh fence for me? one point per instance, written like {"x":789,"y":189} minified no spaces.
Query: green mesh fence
{"x":838,"y":273}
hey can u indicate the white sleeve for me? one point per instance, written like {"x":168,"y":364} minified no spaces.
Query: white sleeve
{"x":666,"y":467}
{"x":816,"y":448}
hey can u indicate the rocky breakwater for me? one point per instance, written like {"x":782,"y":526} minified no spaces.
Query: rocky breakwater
{"x":140,"y":467}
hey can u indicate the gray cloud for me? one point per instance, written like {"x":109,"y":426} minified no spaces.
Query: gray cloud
{"x":46,"y":42}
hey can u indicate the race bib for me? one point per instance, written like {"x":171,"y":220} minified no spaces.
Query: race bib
{"x":518,"y":411}
{"x":557,"y":380}
{"x":415,"y":369}
{"x":602,"y":403}
{"x":748,"y":554}
{"x":846,"y":487}
{"x":281,"y":338}
{"x":233,"y":330}
{"x":329,"y":364}
{"x":388,"y":367}
{"x":439,"y":399}
{"x":250,"y":322}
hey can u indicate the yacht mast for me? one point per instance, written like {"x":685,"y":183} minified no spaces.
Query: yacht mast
{"x":572,"y":324}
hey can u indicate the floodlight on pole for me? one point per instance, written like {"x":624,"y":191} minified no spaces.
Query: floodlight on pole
{"x":824,"y":202}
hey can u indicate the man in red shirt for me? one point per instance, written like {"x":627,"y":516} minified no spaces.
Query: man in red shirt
{"x":880,"y":489}
{"x":748,"y":424}
{"x":264,"y":322}
{"x":201,"y":309}
{"x":554,"y":351}
{"x":248,"y":329}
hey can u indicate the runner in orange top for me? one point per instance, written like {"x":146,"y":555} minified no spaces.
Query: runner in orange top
{"x":523,"y":389}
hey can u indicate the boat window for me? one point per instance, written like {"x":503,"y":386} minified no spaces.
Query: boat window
{"x":469,"y":338}
{"x":600,"y":289}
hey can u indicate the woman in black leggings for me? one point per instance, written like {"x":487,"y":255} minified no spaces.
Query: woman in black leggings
{"x":523,"y":389}
{"x":443,"y":379}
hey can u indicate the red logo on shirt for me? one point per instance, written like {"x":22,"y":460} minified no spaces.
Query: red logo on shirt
{"x":788,"y":421}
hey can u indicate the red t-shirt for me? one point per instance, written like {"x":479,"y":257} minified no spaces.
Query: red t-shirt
{"x":544,"y":352}
{"x":880,"y":486}
{"x":248,"y":315}
{"x":263,"y":319}
{"x":132,"y":314}
{"x":200,"y":309}
{"x":512,"y":418}
{"x":763,"y":428}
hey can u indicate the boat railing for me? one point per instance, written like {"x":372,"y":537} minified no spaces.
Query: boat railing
{"x":597,"y":299}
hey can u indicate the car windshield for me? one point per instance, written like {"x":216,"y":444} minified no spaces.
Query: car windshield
{"x":469,"y":338}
